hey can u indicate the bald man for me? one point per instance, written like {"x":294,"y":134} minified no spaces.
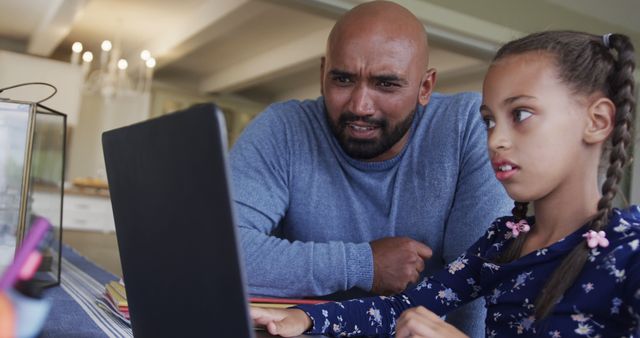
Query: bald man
{"x":374,"y":184}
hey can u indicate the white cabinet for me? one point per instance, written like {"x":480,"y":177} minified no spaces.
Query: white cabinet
{"x":80,"y":211}
{"x":85,"y":212}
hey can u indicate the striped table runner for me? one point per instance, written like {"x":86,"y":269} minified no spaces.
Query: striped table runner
{"x":75,"y":312}
{"x":85,"y":291}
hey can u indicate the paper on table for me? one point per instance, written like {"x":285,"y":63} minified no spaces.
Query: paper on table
{"x":116,"y":296}
{"x":114,"y":301}
{"x":294,"y":301}
{"x":281,"y":303}
{"x":105,"y":304}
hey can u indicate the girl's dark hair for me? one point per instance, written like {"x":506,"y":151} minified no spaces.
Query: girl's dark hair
{"x":587,"y":64}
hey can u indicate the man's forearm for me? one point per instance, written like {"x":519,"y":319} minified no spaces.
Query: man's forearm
{"x":278,"y":267}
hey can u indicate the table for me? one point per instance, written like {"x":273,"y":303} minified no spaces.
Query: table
{"x":74,"y":312}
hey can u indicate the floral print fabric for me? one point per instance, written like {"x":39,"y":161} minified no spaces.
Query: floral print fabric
{"x":604,"y":301}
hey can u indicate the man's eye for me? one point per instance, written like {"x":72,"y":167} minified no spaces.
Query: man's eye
{"x":520,"y":115}
{"x":342,"y":79}
{"x":386,"y":84}
{"x":489,"y":123}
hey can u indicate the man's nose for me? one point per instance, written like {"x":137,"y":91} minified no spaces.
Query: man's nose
{"x":361,"y":101}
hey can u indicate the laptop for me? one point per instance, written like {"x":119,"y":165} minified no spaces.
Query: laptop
{"x":174,"y":223}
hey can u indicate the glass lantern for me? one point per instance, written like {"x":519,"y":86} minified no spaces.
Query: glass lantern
{"x":32,"y":163}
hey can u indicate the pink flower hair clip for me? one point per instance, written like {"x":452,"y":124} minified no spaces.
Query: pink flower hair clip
{"x":595,"y":239}
{"x":517,"y":228}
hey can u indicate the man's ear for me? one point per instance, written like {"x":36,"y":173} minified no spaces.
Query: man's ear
{"x":601,"y":120}
{"x":426,"y":86}
{"x":322,"y":75}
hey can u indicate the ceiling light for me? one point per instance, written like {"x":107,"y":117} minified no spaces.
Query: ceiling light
{"x":114,"y":75}
{"x":122,"y":64}
{"x":145,"y":55}
{"x":76,"y":47}
{"x":106,"y":45}
{"x":87,"y":56}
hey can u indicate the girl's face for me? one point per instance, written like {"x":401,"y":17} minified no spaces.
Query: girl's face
{"x":535,"y":126}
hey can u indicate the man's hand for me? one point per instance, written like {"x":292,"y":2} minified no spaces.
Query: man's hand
{"x":419,"y":322}
{"x":282,"y":322}
{"x":397,"y":261}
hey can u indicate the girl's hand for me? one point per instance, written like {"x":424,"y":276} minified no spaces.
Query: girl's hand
{"x":7,"y":317}
{"x":282,"y":322}
{"x":419,"y":322}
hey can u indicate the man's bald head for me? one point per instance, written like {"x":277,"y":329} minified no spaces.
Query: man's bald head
{"x":374,"y":75}
{"x":383,"y":20}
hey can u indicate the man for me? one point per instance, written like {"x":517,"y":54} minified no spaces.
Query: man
{"x":352,"y":191}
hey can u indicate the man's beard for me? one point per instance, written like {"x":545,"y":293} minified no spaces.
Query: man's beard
{"x":366,"y":149}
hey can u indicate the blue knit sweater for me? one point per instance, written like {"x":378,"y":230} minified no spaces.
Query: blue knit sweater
{"x":307,"y":211}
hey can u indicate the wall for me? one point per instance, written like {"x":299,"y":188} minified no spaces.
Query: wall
{"x":99,"y":114}
{"x":238,"y":113}
{"x":238,"y":110}
{"x":471,"y":84}
{"x":67,"y":78}
{"x":309,"y":91}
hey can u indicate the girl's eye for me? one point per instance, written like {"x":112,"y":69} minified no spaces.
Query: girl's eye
{"x":520,"y":115}
{"x":489,"y":123}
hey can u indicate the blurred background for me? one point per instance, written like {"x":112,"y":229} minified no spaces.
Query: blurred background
{"x":116,"y":62}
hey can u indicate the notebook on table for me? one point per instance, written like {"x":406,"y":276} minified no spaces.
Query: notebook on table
{"x":174,"y":223}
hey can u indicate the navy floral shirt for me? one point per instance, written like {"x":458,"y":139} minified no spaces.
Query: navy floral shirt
{"x":603,"y":302}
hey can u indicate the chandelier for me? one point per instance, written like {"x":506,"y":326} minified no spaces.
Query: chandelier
{"x":114,"y":76}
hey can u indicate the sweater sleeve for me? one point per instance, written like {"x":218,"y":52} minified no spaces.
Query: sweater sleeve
{"x":441,"y":293}
{"x":479,"y":199}
{"x":260,"y":184}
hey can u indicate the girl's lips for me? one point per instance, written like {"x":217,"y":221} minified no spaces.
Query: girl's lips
{"x":505,"y":175}
{"x":504,"y":170}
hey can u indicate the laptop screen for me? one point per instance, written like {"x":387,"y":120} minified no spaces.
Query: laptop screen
{"x":175,"y":227}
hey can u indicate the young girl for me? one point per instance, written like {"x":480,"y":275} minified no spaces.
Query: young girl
{"x":551,"y":101}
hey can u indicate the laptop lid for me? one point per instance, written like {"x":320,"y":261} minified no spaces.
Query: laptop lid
{"x":175,"y":226}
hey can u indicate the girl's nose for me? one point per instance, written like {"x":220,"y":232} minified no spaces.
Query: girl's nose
{"x":499,"y":139}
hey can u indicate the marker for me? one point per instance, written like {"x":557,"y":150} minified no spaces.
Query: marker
{"x":27,"y":259}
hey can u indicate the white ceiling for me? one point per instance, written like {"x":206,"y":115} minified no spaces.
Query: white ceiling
{"x":616,"y":13}
{"x":262,"y":48}
{"x":136,"y":22}
{"x":18,"y":19}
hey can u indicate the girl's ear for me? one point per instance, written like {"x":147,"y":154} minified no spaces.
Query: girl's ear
{"x":601,"y":120}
